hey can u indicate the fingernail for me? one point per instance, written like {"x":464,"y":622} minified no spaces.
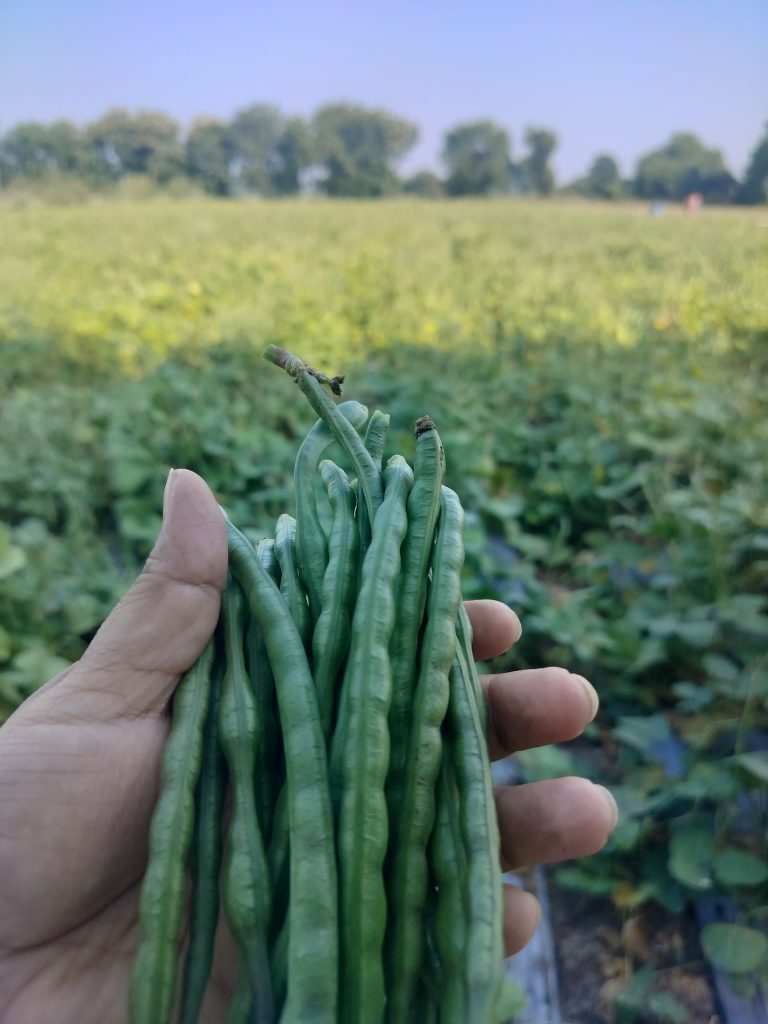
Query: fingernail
{"x":594,"y":700}
{"x":613,"y":806}
{"x":167,"y":492}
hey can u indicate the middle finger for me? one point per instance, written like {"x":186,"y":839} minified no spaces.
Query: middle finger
{"x":533,"y":707}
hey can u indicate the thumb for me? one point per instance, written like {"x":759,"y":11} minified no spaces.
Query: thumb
{"x":161,"y":626}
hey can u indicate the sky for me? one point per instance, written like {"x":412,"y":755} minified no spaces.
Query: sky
{"x":615,"y":76}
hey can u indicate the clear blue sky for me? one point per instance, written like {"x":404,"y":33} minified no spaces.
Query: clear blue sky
{"x":608,"y":75}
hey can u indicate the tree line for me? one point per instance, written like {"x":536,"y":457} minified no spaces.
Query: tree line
{"x":348,"y":150}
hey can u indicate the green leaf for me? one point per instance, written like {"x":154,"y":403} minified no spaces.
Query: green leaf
{"x":5,"y":644}
{"x":668,"y":1008}
{"x":733,"y":866}
{"x":692,"y":697}
{"x":719,"y":667}
{"x":510,"y":1001}
{"x":642,"y":732}
{"x":549,"y":762}
{"x":756,"y":764}
{"x":690,"y":857}
{"x":707,"y":782}
{"x":584,"y":881}
{"x":630,"y":1003}
{"x":12,"y":557}
{"x":734,"y":948}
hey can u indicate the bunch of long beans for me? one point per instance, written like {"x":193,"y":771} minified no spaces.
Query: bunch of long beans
{"x":359,"y":868}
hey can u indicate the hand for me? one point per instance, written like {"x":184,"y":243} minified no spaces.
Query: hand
{"x":79,"y":771}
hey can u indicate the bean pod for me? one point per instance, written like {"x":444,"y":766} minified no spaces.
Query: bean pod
{"x":153,"y":981}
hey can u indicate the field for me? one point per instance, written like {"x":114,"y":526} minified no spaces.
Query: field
{"x":599,"y":378}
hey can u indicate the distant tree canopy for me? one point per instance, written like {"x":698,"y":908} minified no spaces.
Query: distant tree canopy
{"x":602,"y":180}
{"x":424,"y":183}
{"x":357,"y":148}
{"x":346,"y":149}
{"x":684,"y":165}
{"x":210,"y":150}
{"x":534,"y":173}
{"x":754,"y":188}
{"x":144,"y":143}
{"x":476,"y":156}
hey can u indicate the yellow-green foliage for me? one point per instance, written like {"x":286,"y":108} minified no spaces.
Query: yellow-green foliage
{"x":127,"y":283}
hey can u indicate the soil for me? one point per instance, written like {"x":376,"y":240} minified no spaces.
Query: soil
{"x":598,"y":950}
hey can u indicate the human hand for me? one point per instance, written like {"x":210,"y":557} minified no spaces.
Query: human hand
{"x":79,"y":774}
{"x":80,"y":763}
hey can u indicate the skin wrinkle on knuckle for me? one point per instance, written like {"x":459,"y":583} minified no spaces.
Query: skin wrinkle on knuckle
{"x":494,"y":738}
{"x":152,"y":570}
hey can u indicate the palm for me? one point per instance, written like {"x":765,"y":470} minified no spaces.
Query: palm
{"x":93,"y":785}
{"x":79,"y":768}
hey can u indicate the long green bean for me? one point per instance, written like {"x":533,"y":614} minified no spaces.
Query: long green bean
{"x":410,"y":830}
{"x":205,"y":858}
{"x":311,"y":543}
{"x":246,"y":887}
{"x":312,"y":990}
{"x":359,"y":759}
{"x":163,"y":891}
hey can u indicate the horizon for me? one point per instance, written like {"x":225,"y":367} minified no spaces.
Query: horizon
{"x":607,"y":81}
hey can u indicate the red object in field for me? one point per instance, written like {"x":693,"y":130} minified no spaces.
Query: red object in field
{"x":693,"y":202}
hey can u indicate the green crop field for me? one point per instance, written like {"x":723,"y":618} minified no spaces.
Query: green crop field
{"x":599,"y":379}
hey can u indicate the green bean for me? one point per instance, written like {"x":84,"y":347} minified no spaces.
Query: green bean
{"x":268,"y":771}
{"x":311,"y":384}
{"x":205,"y":858}
{"x":163,"y":891}
{"x":245,"y":883}
{"x":292,"y":590}
{"x":279,"y":964}
{"x":430,"y":986}
{"x":423,"y":509}
{"x":408,"y":874}
{"x":480,"y":835}
{"x":291,"y":586}
{"x":329,"y":644}
{"x":449,"y":866}
{"x":464,"y":631}
{"x":331,"y":636}
{"x":376,"y":436}
{"x":311,"y":544}
{"x":312,"y":988}
{"x":239,"y":1011}
{"x":359,"y":757}
{"x":374,"y":441}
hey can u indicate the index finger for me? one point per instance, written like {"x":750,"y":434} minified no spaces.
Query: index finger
{"x":495,"y":628}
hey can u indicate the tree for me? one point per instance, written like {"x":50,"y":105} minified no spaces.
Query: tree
{"x":292,"y":154}
{"x":31,"y":150}
{"x":255,"y":132}
{"x":142,"y":143}
{"x":603,"y":179}
{"x":23,"y":153}
{"x":209,"y":153}
{"x":681,"y":166}
{"x":476,"y":156}
{"x":425,"y":184}
{"x":754,"y":188}
{"x":357,"y":146}
{"x":534,"y":172}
